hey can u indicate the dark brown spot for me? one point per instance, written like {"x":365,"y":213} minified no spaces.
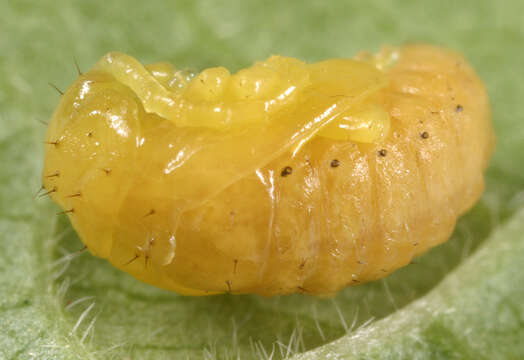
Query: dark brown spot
{"x":382,"y":152}
{"x":301,"y":288}
{"x":384,"y":270}
{"x":235,"y":266}
{"x":424,"y":135}
{"x":335,"y":163}
{"x":107,"y":171}
{"x":415,"y":244}
{"x":302,"y":264}
{"x":286,"y":171}
{"x":78,"y":194}
{"x":228,"y":283}
{"x":89,"y":134}
{"x":151,"y":212}
{"x":459,"y":108}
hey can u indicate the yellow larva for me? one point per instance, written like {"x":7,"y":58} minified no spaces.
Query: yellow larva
{"x":283,"y":177}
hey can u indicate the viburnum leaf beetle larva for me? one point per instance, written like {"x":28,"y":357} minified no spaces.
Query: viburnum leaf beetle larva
{"x":283,"y":177}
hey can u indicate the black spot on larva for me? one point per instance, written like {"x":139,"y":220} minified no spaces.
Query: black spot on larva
{"x":424,"y":135}
{"x":383,"y":152}
{"x":151,"y":212}
{"x":286,"y":171}
{"x":107,"y":171}
{"x":335,"y":163}
{"x":89,"y":134}
{"x":459,"y":108}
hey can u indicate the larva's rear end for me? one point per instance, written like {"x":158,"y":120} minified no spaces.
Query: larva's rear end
{"x":285,"y":177}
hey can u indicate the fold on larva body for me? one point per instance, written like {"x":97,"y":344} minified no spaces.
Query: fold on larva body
{"x":283,"y":177}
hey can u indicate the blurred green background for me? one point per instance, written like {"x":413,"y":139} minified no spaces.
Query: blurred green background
{"x":463,"y":300}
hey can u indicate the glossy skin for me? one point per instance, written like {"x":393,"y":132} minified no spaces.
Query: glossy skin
{"x":284,"y":177}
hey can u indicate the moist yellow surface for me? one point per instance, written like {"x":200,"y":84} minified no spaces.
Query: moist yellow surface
{"x":282,"y":177}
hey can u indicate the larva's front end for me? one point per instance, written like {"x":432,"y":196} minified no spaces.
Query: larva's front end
{"x":90,"y":147}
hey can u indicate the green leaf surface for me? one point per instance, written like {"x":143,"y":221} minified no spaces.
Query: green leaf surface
{"x":462,"y":300}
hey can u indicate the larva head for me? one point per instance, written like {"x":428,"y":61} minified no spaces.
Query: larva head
{"x":89,"y":142}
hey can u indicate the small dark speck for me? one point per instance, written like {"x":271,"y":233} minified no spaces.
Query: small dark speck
{"x":335,"y":163}
{"x":382,"y":152}
{"x":424,"y":135}
{"x":459,"y":108}
{"x":286,"y":171}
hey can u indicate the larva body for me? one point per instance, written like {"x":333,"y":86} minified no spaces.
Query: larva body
{"x":284,"y":177}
